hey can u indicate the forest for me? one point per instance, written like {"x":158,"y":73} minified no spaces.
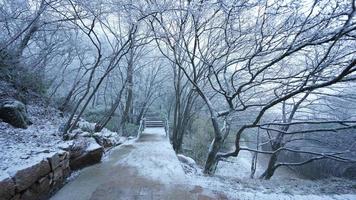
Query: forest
{"x":253,"y":95}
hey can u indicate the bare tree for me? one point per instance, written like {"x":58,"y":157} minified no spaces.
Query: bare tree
{"x":242,"y":59}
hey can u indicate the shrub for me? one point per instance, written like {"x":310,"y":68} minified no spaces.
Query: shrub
{"x":130,"y":129}
{"x":196,"y":143}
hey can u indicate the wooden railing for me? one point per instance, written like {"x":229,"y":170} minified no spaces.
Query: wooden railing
{"x":166,"y":127}
{"x":141,"y":127}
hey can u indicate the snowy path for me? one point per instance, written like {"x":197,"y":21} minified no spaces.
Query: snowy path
{"x":143,"y":169}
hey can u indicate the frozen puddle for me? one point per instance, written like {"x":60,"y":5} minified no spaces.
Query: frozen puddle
{"x":144,"y":169}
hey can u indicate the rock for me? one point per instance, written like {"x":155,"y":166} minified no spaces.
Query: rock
{"x":64,"y":164}
{"x":185,"y":159}
{"x":42,"y":185}
{"x":108,"y":139}
{"x":54,"y":161}
{"x":58,"y":175}
{"x":39,"y":190}
{"x":7,"y":186}
{"x":66,"y":172}
{"x":14,"y":113}
{"x":105,"y":142}
{"x":29,"y":194}
{"x":188,"y":164}
{"x":78,"y":147}
{"x":63,"y":155}
{"x":16,"y":197}
{"x":66,"y":146}
{"x":92,"y":155}
{"x":24,"y":178}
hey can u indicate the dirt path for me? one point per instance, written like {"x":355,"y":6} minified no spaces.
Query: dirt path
{"x":144,"y":169}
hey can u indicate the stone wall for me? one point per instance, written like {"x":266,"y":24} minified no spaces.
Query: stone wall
{"x":37,"y":180}
{"x":47,"y":174}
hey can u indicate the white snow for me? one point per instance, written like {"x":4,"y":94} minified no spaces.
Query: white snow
{"x":186,"y":159}
{"x":155,"y":159}
{"x":232,"y":178}
{"x":93,"y":146}
{"x":23,"y":147}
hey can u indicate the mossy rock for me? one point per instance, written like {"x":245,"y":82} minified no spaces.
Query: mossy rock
{"x":14,"y":113}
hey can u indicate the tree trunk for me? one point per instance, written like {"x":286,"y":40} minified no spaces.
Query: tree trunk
{"x":126,"y":116}
{"x":211,"y":161}
{"x":271,"y":167}
{"x":31,"y":31}
{"x":177,"y":116}
{"x":105,"y":120}
{"x":273,"y":159}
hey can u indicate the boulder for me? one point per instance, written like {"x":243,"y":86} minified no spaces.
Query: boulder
{"x":188,"y":164}
{"x":108,"y":139}
{"x":185,"y":159}
{"x":77,"y":148}
{"x":105,"y":142}
{"x":7,"y":186}
{"x":91,"y":155}
{"x":14,"y":113}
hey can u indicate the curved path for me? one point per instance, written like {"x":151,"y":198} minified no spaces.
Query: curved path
{"x":146,"y":169}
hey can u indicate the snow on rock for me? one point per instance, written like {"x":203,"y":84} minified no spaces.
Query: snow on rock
{"x":22,"y":148}
{"x":186,"y":159}
{"x":90,"y":155}
{"x":28,"y":175}
{"x":14,"y":113}
{"x":93,"y":146}
{"x":36,"y":160}
{"x":188,"y":164}
{"x":105,"y":138}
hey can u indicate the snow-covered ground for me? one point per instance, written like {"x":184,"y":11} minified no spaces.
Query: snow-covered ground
{"x":232,"y":178}
{"x":22,"y":147}
{"x":143,"y":168}
{"x":155,"y":157}
{"x":19,"y":147}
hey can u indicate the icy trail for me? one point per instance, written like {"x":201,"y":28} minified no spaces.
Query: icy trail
{"x":146,"y":168}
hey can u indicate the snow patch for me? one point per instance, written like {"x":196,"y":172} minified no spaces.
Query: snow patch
{"x":154,"y":159}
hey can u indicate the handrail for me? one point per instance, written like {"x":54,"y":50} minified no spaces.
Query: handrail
{"x":166,"y":127}
{"x":141,"y":127}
